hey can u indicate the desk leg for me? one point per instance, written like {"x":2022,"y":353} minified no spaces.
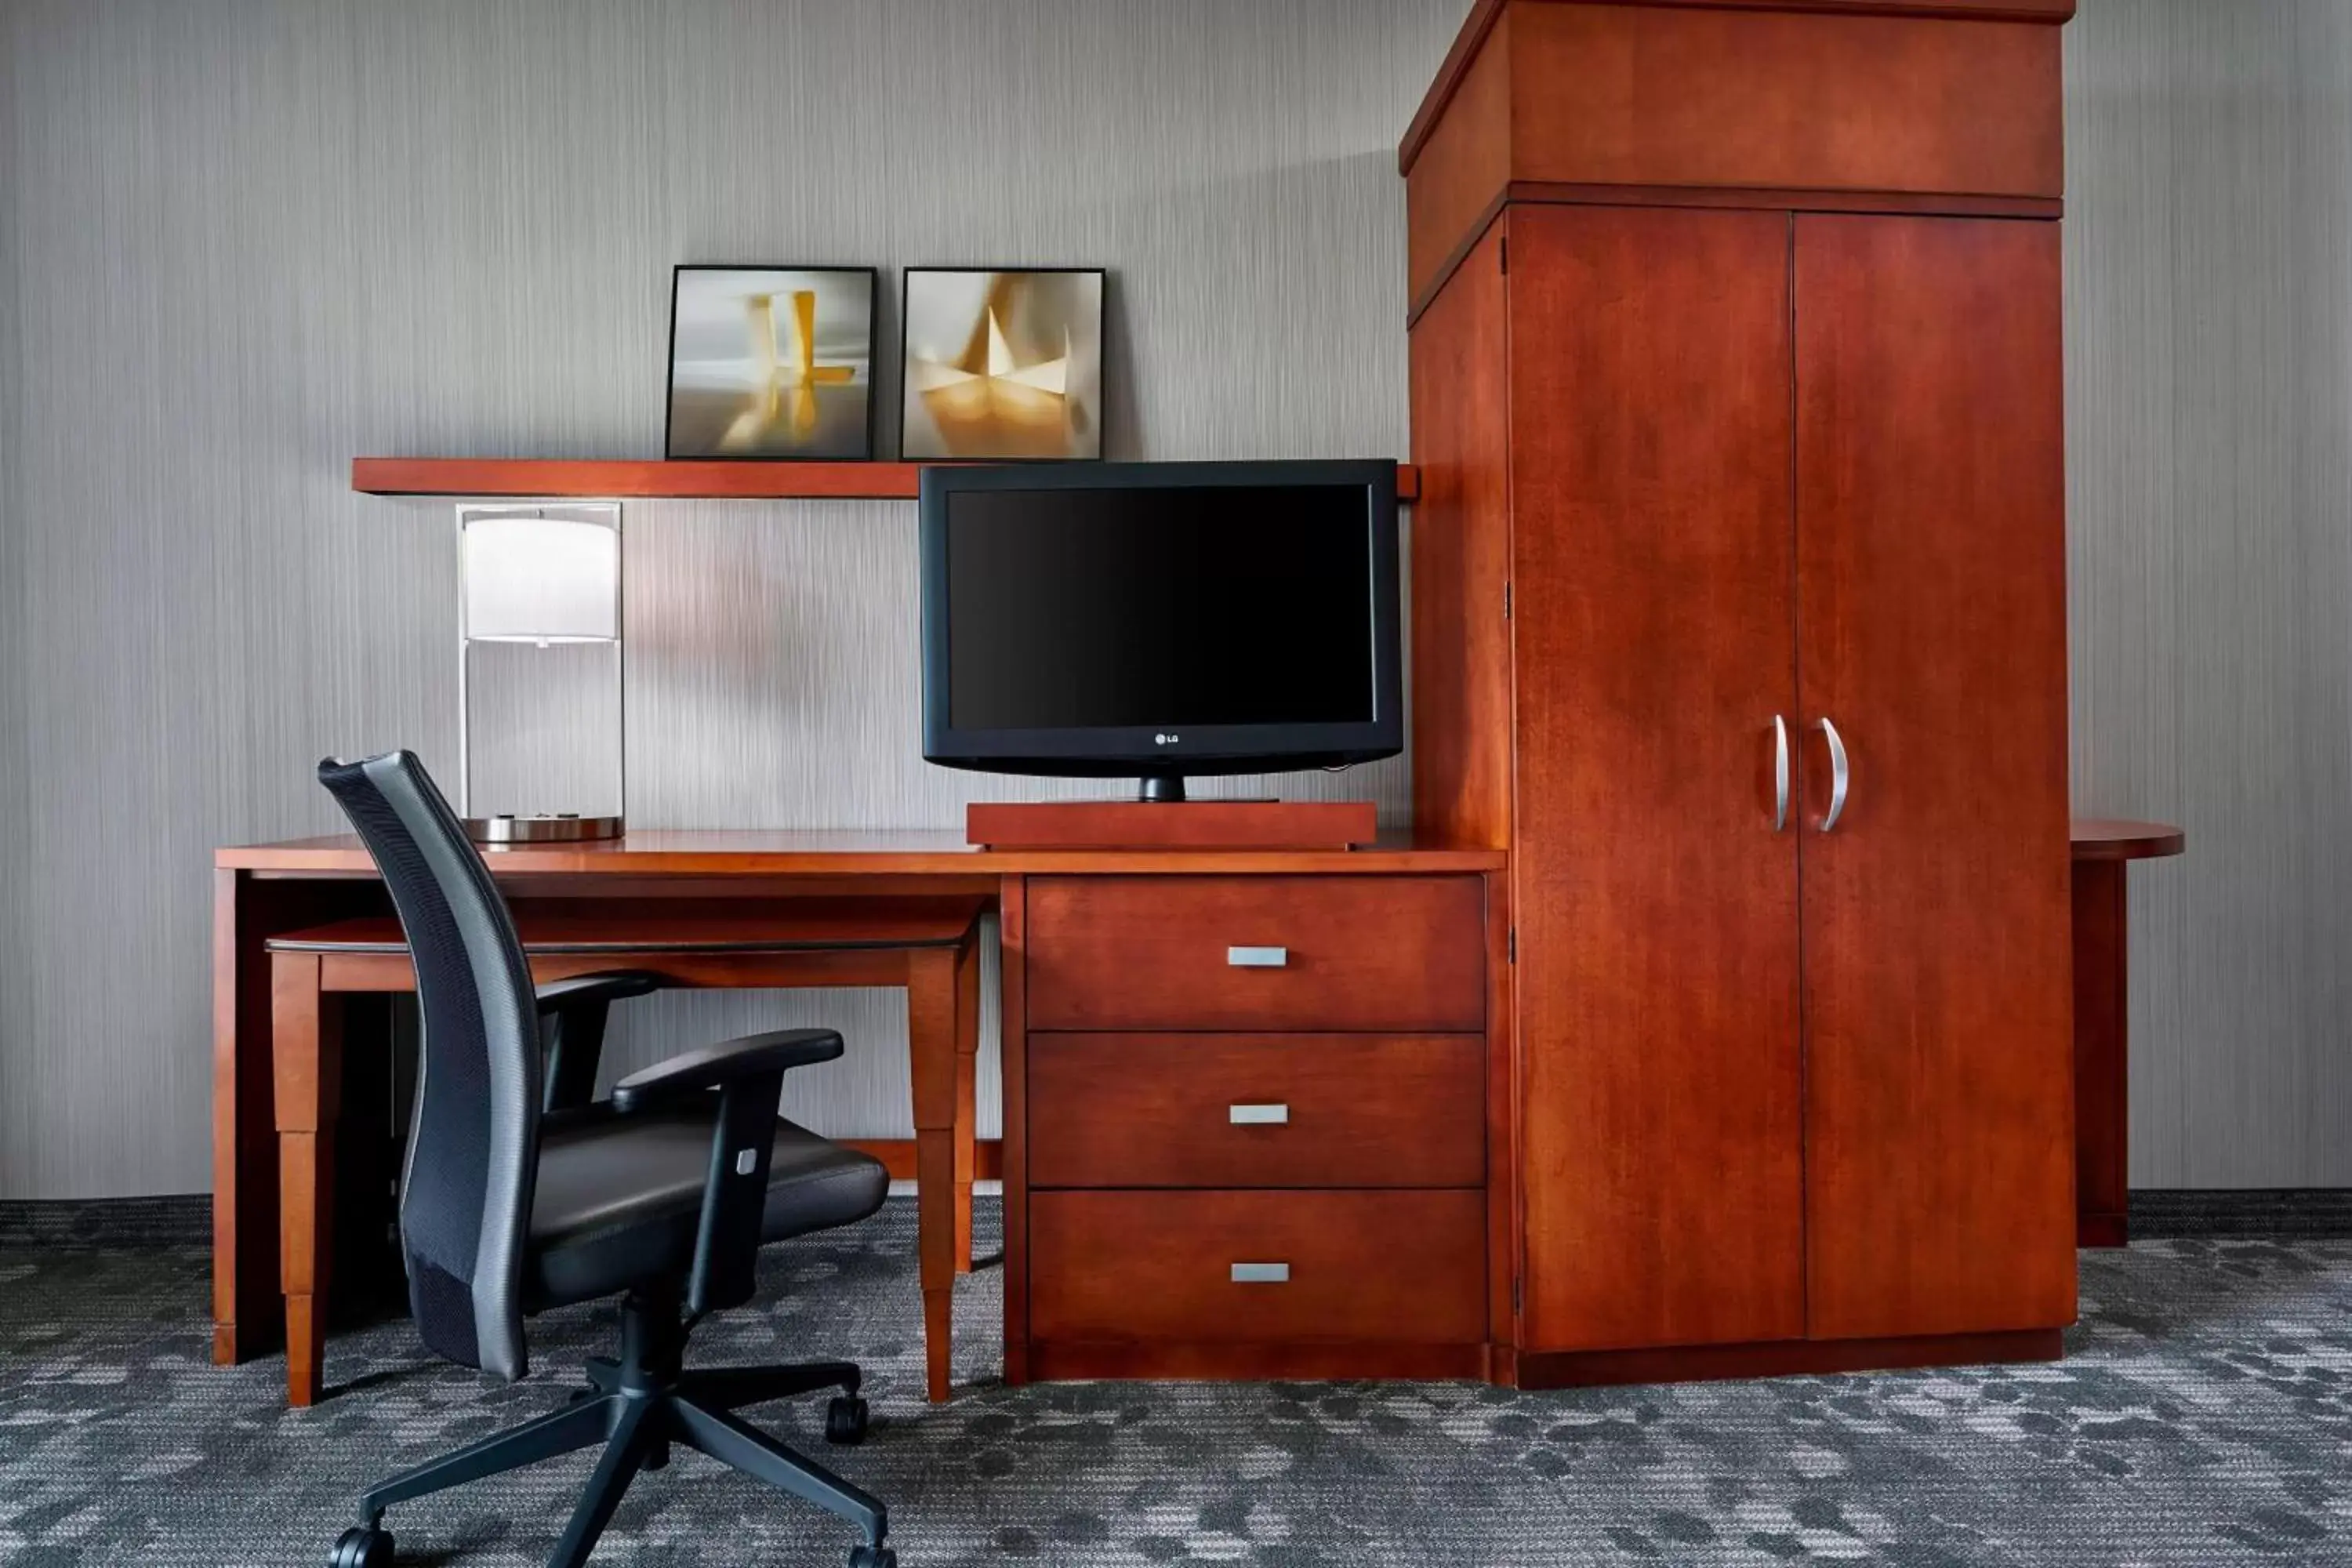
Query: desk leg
{"x":245,"y":911}
{"x":933,"y":989}
{"x":2102,"y":1057}
{"x":306,"y":1040}
{"x":967,"y":1112}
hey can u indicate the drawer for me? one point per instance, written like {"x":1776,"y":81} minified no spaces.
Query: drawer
{"x":1362,"y":1267}
{"x":1257,"y":952}
{"x":1258,"y":1110}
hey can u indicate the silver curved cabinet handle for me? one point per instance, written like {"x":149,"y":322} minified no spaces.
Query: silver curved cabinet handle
{"x":1841,"y":774}
{"x":1780,"y":773}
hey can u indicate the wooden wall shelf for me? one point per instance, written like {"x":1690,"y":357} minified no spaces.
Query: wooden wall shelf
{"x":608,"y":479}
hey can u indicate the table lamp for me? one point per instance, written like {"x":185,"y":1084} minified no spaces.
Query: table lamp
{"x":535,"y":581}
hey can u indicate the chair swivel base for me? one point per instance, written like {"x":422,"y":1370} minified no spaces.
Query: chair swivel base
{"x":636,"y":1407}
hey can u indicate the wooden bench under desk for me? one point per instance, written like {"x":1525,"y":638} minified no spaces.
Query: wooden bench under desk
{"x":654,"y":882}
{"x":929,"y":945}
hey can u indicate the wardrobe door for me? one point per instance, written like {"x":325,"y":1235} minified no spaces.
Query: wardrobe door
{"x":1656,"y":901}
{"x":1932,"y":645}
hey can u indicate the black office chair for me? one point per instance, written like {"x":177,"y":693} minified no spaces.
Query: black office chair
{"x":662,"y":1196}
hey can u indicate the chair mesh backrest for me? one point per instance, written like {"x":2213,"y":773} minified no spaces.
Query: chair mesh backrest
{"x":473,"y":1150}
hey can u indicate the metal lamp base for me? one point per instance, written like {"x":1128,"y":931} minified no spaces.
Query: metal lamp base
{"x":563,"y":827}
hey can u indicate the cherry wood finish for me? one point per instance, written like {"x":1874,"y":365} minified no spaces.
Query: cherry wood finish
{"x":2102,"y":1055}
{"x":621,"y":479}
{"x":750,"y":902}
{"x":390,"y":972}
{"x":248,"y":1299}
{"x":932,"y":1009}
{"x":1121,"y":952}
{"x":2103,"y":852}
{"x":663,"y":926}
{"x":1931,"y":568}
{"x":2106,"y":838}
{"x":1783,"y":1358}
{"x":1608,"y":209}
{"x":829,"y":863}
{"x":1174,"y":824}
{"x":1013,"y":1031}
{"x":1461,"y":165}
{"x":1130,"y":1192}
{"x":1656,"y":906}
{"x":1372,"y":1267}
{"x":1155,"y":1111}
{"x":1160,"y":1361}
{"x":1437,"y":105}
{"x":1506,"y":1145}
{"x":1756,"y":198}
{"x":1958,"y":100}
{"x":1462,"y":560}
{"x":307,"y":1053}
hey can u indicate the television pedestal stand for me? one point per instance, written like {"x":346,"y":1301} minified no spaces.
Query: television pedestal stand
{"x":1159,"y":817}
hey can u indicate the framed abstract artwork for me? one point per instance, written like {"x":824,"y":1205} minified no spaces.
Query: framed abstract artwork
{"x":772,"y":361}
{"x":1002,"y":365}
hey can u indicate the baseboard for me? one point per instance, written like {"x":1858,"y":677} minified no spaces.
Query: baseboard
{"x":1780,"y":1358}
{"x":182,"y":1219}
{"x":2158,"y":1212}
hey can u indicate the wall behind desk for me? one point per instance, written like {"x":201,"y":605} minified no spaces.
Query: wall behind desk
{"x":242,"y":240}
{"x":2208,"y":284}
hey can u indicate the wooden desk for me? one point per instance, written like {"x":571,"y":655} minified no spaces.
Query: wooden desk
{"x":826,"y":881}
{"x":2102,"y":849}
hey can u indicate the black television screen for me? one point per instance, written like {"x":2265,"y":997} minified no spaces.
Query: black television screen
{"x":1160,"y":620}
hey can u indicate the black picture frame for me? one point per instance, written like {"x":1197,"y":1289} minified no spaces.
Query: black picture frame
{"x":1102,"y":314}
{"x":866,"y":452}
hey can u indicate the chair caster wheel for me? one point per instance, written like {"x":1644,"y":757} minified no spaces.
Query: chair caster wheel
{"x":844,"y":1424}
{"x":365,"y":1546}
{"x":873,"y":1557}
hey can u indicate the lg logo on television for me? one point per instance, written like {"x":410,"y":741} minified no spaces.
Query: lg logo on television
{"x":1165,"y":739}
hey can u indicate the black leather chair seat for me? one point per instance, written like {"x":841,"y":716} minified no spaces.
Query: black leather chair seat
{"x":618,"y":1197}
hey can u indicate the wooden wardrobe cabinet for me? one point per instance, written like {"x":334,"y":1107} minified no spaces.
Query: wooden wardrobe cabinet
{"x":1738,"y":619}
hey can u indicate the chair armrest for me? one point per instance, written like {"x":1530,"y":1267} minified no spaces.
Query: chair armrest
{"x":748,"y":1074}
{"x":729,"y":1061}
{"x":571,"y":1027}
{"x":595,"y":989}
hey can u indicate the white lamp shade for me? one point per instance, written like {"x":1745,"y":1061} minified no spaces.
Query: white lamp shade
{"x":541,"y":579}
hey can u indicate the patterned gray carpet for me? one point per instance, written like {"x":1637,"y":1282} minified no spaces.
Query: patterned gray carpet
{"x":2203,"y":1416}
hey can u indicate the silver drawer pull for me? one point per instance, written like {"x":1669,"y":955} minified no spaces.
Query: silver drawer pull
{"x":1261,"y":1273}
{"x":1258,"y":1115}
{"x":1257,"y":957}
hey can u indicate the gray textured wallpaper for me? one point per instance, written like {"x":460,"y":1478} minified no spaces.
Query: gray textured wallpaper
{"x":2209,"y":260}
{"x":242,"y":240}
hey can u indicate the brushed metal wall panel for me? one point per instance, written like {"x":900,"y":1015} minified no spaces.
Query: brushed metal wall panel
{"x":247,"y":239}
{"x":2209,"y":259}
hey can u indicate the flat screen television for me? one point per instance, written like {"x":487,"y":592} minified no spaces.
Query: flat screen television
{"x":1161,"y":620}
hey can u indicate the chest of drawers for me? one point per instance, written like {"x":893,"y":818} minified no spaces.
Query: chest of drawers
{"x":1247,"y":1126}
